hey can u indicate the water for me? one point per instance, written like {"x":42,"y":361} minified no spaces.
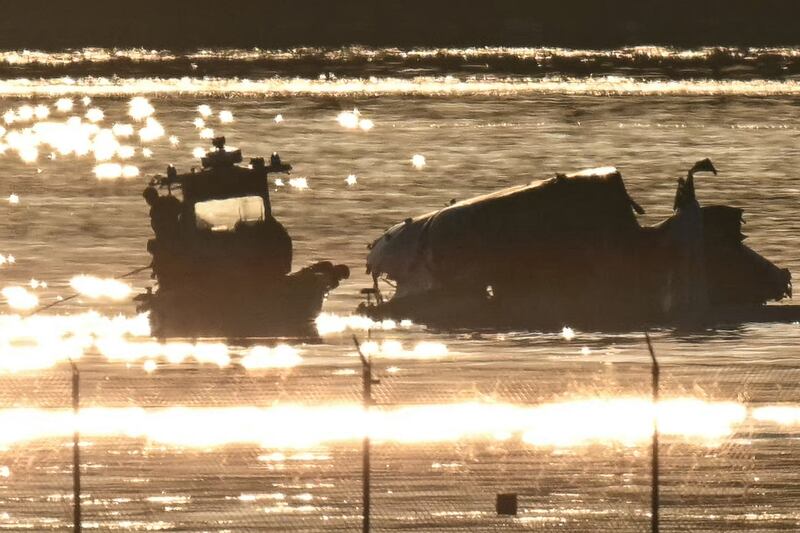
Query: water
{"x":196,"y":436}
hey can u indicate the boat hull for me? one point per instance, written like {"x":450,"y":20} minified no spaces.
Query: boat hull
{"x":285,"y":306}
{"x":458,"y":312}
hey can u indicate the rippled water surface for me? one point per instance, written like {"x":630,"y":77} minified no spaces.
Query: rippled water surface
{"x":265,"y":434}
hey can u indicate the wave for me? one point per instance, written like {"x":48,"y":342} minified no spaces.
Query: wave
{"x":718,"y":63}
{"x":450,"y":86}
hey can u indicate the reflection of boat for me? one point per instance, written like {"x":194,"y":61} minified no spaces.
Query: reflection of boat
{"x":222,"y":260}
{"x":570,"y":250}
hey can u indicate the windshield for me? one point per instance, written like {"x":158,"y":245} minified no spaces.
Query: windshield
{"x":223,"y":215}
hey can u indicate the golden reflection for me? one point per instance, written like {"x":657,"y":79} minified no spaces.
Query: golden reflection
{"x":785,"y":415}
{"x":617,"y":421}
{"x":122,"y":130}
{"x":41,"y":112}
{"x":115,"y":170}
{"x":97,"y":288}
{"x":24,"y":113}
{"x":64,"y":105}
{"x":328,"y":323}
{"x":392,"y":349}
{"x":420,"y":86}
{"x":298,"y":183}
{"x":471,"y":53}
{"x":116,"y":348}
{"x":104,"y":145}
{"x":126,"y":152}
{"x":348,"y":119}
{"x":39,"y":342}
{"x":262,"y":357}
{"x":94,"y":115}
{"x":139,"y":108}
{"x":19,"y":298}
{"x":351,"y":120}
{"x":151,"y":131}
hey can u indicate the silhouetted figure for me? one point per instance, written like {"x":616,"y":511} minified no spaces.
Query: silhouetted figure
{"x":688,"y":288}
{"x":164,"y":214}
{"x":275,"y":160}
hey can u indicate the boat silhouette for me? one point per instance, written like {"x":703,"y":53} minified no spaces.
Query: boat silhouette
{"x":221,"y":260}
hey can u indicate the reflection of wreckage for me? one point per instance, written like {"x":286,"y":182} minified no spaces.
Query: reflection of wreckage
{"x":569,"y":250}
{"x":222,"y":260}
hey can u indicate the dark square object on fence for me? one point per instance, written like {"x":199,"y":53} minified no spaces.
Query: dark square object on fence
{"x":507,"y":504}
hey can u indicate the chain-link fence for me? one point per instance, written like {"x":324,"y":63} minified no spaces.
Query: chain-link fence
{"x":192,"y":447}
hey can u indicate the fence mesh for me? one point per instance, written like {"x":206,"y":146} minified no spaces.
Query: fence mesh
{"x":207,"y":465}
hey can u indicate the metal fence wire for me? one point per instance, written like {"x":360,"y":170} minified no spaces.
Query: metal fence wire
{"x":473,"y":442}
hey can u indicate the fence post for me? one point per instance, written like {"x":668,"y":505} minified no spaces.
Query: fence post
{"x":76,"y":450}
{"x":367,"y":402}
{"x":655,"y":502}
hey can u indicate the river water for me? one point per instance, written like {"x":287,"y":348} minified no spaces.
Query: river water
{"x":265,"y":435}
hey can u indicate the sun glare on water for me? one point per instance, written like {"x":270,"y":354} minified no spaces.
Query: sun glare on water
{"x":139,"y":108}
{"x":20,"y":298}
{"x":98,"y":288}
{"x":620,"y":421}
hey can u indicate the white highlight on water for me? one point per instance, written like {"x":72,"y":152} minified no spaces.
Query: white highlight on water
{"x":100,"y":288}
{"x":20,"y":298}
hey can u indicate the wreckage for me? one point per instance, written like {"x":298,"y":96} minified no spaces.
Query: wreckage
{"x":221,"y":260}
{"x":570,"y":250}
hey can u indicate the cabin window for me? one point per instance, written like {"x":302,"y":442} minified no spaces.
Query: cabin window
{"x":224,"y":215}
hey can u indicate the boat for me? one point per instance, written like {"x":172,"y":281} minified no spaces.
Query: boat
{"x":569,"y":250}
{"x":221,"y":261}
